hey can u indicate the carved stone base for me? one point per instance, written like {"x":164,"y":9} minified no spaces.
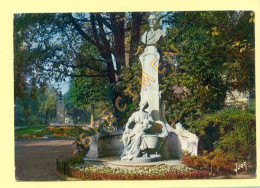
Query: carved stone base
{"x":152,"y":158}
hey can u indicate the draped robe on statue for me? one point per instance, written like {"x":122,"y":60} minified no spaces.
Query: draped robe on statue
{"x":132,"y":139}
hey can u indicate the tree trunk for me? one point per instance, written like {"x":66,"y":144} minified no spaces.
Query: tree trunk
{"x":110,"y":67}
{"x":135,"y":35}
{"x":117,"y":22}
{"x":46,"y":117}
{"x":99,"y":39}
{"x":26,"y":113}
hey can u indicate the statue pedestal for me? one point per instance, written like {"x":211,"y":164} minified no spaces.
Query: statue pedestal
{"x":93,"y":151}
{"x":105,"y":146}
{"x":60,"y":109}
{"x":110,"y":145}
{"x":151,"y":158}
{"x":150,"y":81}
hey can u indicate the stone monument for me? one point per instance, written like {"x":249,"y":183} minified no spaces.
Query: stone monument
{"x":137,"y":138}
{"x":147,"y":136}
{"x":151,"y":93}
{"x":60,"y":110}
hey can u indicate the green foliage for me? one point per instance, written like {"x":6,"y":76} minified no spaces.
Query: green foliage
{"x":69,"y":161}
{"x":29,"y":130}
{"x":251,"y":106}
{"x":86,"y":91}
{"x":218,"y":57}
{"x":128,"y":79}
{"x":79,"y":115}
{"x":33,"y":45}
{"x":83,"y":143}
{"x":40,"y":131}
{"x":47,"y":104}
{"x":232,"y":130}
{"x":35,"y":111}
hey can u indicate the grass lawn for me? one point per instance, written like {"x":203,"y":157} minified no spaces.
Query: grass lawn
{"x":28,"y":130}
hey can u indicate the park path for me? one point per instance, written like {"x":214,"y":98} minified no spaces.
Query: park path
{"x":35,"y":160}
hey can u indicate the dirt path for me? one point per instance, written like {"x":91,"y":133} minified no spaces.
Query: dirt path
{"x":35,"y":160}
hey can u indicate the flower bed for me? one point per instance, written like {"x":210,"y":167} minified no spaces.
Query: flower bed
{"x":159,"y":172}
{"x":217,"y":162}
{"x":51,"y":131}
{"x":29,"y":136}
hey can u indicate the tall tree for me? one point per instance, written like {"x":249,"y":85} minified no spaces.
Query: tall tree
{"x":217,"y":57}
{"x":52,"y":43}
{"x":135,"y":35}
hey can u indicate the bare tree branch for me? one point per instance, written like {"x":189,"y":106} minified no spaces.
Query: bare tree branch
{"x":75,"y":66}
{"x":52,"y":70}
{"x":106,"y":23}
{"x":102,"y":33}
{"x":94,"y":29}
{"x":81,"y":32}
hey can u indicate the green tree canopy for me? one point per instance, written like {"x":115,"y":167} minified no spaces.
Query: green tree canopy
{"x":217,"y":55}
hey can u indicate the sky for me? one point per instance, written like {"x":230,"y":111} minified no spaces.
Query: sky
{"x":63,"y":86}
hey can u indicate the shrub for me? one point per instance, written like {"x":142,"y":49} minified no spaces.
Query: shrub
{"x":217,"y":162}
{"x":231,"y":130}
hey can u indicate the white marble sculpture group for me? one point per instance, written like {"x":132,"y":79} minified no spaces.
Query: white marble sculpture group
{"x":140,"y":144}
